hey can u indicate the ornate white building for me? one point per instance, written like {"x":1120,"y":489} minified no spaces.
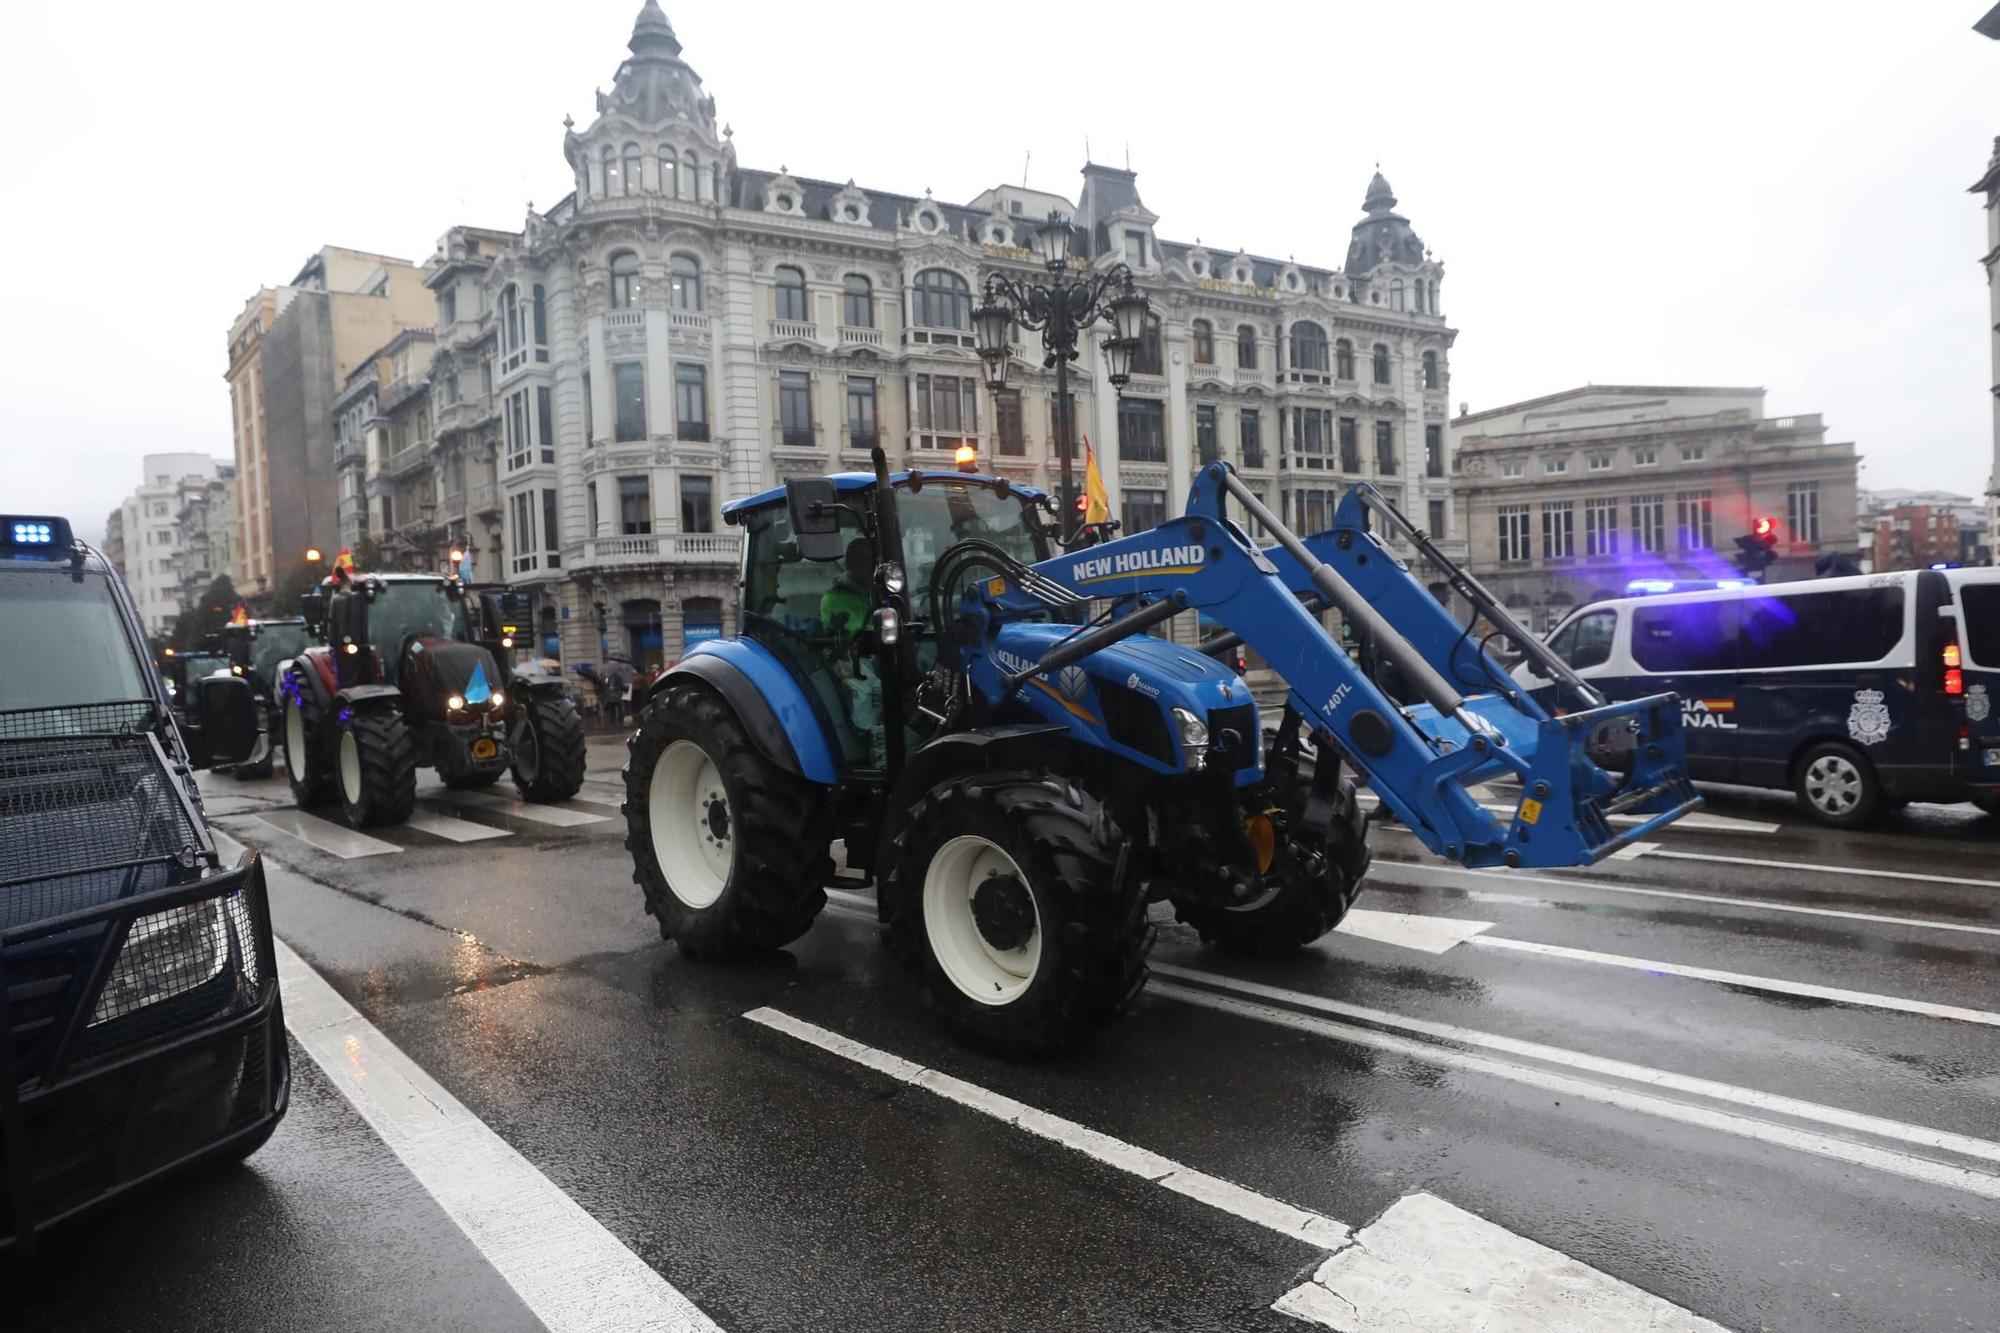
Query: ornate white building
{"x":683,"y":330}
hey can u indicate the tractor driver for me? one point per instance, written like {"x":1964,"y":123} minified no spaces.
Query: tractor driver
{"x":843,"y":611}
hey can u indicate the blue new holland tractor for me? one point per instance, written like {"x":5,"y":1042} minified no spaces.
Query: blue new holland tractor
{"x":983,"y":722}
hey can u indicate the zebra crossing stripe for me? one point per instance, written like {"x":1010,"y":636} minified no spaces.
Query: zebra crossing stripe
{"x":553,"y":815}
{"x":327,"y":836}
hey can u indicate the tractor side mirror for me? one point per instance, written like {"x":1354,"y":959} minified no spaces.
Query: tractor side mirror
{"x":225,"y":721}
{"x":815,"y":514}
{"x":312,"y":605}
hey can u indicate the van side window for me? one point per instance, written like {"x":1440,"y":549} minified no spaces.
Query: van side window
{"x":1686,"y":636}
{"x":1820,"y":628}
{"x":1592,"y":646}
{"x":1980,"y":615}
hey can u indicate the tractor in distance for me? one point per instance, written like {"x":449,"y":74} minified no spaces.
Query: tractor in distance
{"x":407,"y":673}
{"x":1021,"y":769}
{"x":256,"y":649}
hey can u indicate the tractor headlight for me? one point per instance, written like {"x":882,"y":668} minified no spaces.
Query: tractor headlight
{"x":166,"y":954}
{"x":893,"y":580}
{"x":888,"y":625}
{"x":456,"y":702}
{"x":1194,"y":737}
{"x":498,"y":699}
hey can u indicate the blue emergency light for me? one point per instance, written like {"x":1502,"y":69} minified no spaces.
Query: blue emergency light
{"x":34,"y":534}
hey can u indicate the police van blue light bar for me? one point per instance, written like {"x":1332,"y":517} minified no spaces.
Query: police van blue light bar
{"x":34,"y":534}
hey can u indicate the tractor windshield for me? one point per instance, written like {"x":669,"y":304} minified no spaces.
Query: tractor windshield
{"x":945,"y":513}
{"x":272,"y":644}
{"x":420,"y":608}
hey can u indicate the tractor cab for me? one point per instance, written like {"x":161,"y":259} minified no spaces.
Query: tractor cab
{"x":260,"y":647}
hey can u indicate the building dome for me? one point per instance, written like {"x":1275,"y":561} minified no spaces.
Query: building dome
{"x":1383,"y":236}
{"x":654,"y":85}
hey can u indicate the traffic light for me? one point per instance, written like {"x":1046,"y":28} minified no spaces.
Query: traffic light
{"x":1756,"y":549}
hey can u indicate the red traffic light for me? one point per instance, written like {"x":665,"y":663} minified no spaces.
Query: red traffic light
{"x":1765,"y":527}
{"x":1082,"y":504}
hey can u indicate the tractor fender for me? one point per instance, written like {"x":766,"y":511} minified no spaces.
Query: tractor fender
{"x":367,"y":696}
{"x":536,"y":682}
{"x":773,"y":705}
{"x":1030,"y":746}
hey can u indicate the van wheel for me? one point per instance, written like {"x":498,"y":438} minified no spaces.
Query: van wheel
{"x":1838,"y":786}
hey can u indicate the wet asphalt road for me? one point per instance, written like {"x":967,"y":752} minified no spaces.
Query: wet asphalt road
{"x":780,"y":1186}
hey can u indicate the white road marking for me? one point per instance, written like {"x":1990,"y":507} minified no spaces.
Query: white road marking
{"x":1430,"y":934}
{"x":1632,"y":851}
{"x":456,"y":830}
{"x":1888,"y":1160}
{"x":1404,"y":872}
{"x":565,"y":1266}
{"x":1773,"y":984}
{"x":602,"y":800}
{"x":326,"y":835}
{"x":1247,"y":1204}
{"x":1855,"y":1121}
{"x":1426,"y":1265}
{"x":554,"y":815}
{"x":1816,"y":868}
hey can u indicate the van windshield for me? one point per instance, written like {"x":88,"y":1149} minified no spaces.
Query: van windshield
{"x":1981,"y":603}
{"x":65,"y":643}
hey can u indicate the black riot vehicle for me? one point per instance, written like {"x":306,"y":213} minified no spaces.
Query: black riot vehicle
{"x":408,"y":674}
{"x":257,"y":649}
{"x":140,"y":1028}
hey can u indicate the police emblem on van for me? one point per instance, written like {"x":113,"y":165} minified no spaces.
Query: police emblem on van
{"x":1868,"y":720}
{"x":1977,"y":705}
{"x":1713,"y":713}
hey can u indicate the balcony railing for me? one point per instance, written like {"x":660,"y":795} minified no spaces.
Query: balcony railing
{"x":693,"y":431}
{"x":1200,"y":371}
{"x":798,"y":437}
{"x":625,"y":319}
{"x":408,"y":463}
{"x":693,"y":548}
{"x":863,"y":336}
{"x":691,"y":320}
{"x":482,"y":498}
{"x":794,"y":330}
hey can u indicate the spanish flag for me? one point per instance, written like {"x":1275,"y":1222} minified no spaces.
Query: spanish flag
{"x":240,"y":616}
{"x":345,"y":560}
{"x":1096,"y":500}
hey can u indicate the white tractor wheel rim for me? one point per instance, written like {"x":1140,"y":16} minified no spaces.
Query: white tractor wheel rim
{"x":693,"y":824}
{"x":979,"y":970}
{"x":1833,"y":784}
{"x":350,"y":768}
{"x":295,"y":740}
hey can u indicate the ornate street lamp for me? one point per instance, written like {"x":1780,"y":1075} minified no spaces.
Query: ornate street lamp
{"x":1062,"y":308}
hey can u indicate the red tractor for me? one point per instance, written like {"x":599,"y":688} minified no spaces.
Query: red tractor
{"x":408,"y":674}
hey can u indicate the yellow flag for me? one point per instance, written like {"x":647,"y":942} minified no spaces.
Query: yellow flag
{"x":1096,"y":500}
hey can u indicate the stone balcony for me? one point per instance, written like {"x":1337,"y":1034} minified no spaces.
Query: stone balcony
{"x":663,"y":548}
{"x":408,"y":463}
{"x":794,"y":330}
{"x":851,"y":336}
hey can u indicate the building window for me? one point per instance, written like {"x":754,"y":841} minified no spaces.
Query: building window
{"x":1144,"y":510}
{"x":1313,"y":511}
{"x":628,"y":382}
{"x":545,"y":423}
{"x":1350,"y":445}
{"x":1430,"y":369}
{"x":1202,"y":334}
{"x":795,"y":415}
{"x":551,"y":533}
{"x":1645,"y":457}
{"x":607,"y":163}
{"x":943,"y":299}
{"x":1142,"y":433}
{"x":514,"y":424}
{"x":1343,"y":359}
{"x":684,"y":282}
{"x":860,"y":412}
{"x":690,"y":401}
{"x":635,"y":506}
{"x":1513,"y":533}
{"x":1007,"y":422}
{"x":1600,"y":462}
{"x":1555,"y":467}
{"x":1558,"y":531}
{"x":669,"y":173}
{"x":791,"y":293}
{"x":1308,"y":347}
{"x":624,"y":280}
{"x":1649,"y":523}
{"x":1381,"y":363}
{"x":631,"y":182}
{"x":1513,"y":471}
{"x":697,"y":502}
{"x":512,"y":345}
{"x":857,"y":302}
{"x":1396,"y":294}
{"x":1437,"y":519}
{"x":1250,"y":437}
{"x":1246,"y":347}
{"x":690,"y":175}
{"x":1385,"y":448}
{"x":1135,"y":249}
{"x":521,"y":509}
{"x":946,"y":410}
{"x":1207,"y":450}
{"x":447,"y":298}
{"x":1433,"y":451}
{"x":1693,"y":453}
{"x":1600,"y":527}
{"x":1695,"y":515}
{"x":1056,"y":428}
{"x":1311,"y":436}
{"x":1150,"y":359}
{"x":589,"y":412}
{"x":1802,"y":510}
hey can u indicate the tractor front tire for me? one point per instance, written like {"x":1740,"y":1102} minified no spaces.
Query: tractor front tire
{"x":307,"y":764}
{"x":730,"y":850}
{"x":1312,"y":881}
{"x":1006,"y":885}
{"x":377,"y":768}
{"x":548,"y":748}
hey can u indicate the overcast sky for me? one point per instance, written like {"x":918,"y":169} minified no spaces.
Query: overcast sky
{"x":1738,"y":194}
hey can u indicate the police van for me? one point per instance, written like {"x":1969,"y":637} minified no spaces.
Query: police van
{"x":1859,"y":694}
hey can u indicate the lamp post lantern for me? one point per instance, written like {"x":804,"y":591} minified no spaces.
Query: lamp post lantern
{"x":1061,"y":308}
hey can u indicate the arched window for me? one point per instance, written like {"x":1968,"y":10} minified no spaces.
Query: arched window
{"x":1430,"y":370}
{"x":1396,"y":294}
{"x":1203,"y":334}
{"x":624,"y":280}
{"x":633,"y":180}
{"x":857,"y":302}
{"x":943,"y":300}
{"x":1246,"y":347}
{"x":608,"y":172}
{"x":791,"y":293}
{"x":690,"y":175}
{"x":669,"y":173}
{"x":1381,"y":363}
{"x":684,"y":278}
{"x":1308,"y":346}
{"x":1343,"y":359}
{"x":1150,"y":359}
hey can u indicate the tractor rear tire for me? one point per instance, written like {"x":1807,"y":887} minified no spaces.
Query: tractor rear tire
{"x":548,"y":748}
{"x":1312,"y":882}
{"x":308,"y":766}
{"x":377,"y":768}
{"x":730,"y":850}
{"x":1006,"y":885}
